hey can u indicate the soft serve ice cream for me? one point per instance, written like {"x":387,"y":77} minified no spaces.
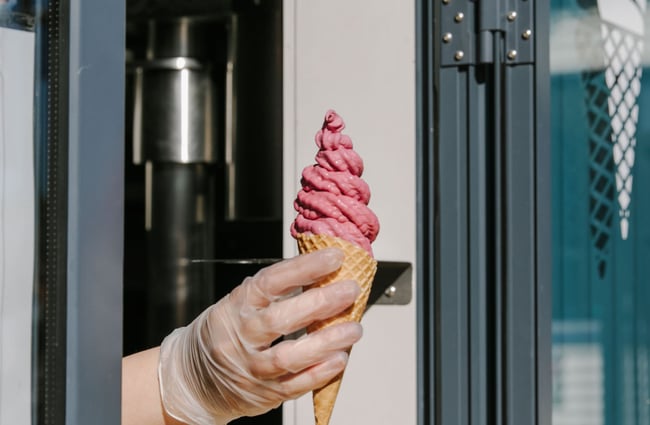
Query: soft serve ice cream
{"x":333,"y":210}
{"x":334,"y":199}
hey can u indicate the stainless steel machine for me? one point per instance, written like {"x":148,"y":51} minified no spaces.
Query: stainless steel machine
{"x":203,"y":158}
{"x":204,"y":153}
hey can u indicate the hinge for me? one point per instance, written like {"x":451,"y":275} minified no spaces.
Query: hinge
{"x":468,"y":27}
{"x":457,"y":34}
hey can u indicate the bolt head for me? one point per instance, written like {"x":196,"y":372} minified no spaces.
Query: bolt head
{"x":447,"y":37}
{"x":512,"y":54}
{"x":511,"y":16}
{"x":459,"y":17}
{"x":446,"y":1}
{"x":390,"y":291}
{"x":526,"y":34}
{"x":459,"y":55}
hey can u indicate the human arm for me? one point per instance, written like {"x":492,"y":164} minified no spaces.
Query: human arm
{"x":140,"y":390}
{"x":223,"y":365}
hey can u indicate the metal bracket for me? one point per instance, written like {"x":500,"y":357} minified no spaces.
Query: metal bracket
{"x":519,"y":33}
{"x":457,"y":35}
{"x":392,"y":285}
{"x":468,"y":27}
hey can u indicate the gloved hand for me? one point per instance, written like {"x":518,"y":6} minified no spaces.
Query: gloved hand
{"x":222,"y":366}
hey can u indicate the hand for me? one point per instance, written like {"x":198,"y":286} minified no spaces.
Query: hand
{"x":223,"y":366}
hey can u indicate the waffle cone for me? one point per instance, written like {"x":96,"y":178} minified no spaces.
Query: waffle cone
{"x":359,"y":266}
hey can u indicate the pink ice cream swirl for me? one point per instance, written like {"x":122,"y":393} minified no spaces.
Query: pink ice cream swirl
{"x":334,"y":199}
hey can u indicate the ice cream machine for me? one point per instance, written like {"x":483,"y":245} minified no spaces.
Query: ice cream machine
{"x":203,"y":161}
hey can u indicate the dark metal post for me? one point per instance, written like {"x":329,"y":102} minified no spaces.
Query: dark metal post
{"x":484,"y":190}
{"x":95,"y":208}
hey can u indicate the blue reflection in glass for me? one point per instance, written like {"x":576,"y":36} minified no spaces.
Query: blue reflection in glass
{"x":601,"y":206}
{"x":18,"y":14}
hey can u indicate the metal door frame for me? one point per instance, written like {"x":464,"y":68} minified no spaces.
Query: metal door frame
{"x":484,"y":272}
{"x":95,"y":211}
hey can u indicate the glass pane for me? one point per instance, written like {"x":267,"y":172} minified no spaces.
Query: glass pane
{"x":601,"y":206}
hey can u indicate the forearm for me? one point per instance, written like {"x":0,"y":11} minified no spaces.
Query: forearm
{"x":140,"y":390}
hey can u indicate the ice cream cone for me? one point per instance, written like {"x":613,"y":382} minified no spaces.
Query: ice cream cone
{"x":359,"y":266}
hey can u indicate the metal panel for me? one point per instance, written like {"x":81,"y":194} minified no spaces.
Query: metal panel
{"x":542,"y":134}
{"x":425,"y":211}
{"x":95,"y":212}
{"x":484,"y":202}
{"x":51,"y":148}
{"x":519,"y":251}
{"x":478,"y":255}
{"x":452,"y":271}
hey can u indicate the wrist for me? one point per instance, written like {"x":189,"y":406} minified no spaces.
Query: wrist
{"x":185,"y":383}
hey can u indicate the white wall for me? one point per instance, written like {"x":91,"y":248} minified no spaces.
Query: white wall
{"x":16,"y":223}
{"x":359,"y":58}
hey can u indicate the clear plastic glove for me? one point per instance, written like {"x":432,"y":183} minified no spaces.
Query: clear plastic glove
{"x":222,"y":366}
